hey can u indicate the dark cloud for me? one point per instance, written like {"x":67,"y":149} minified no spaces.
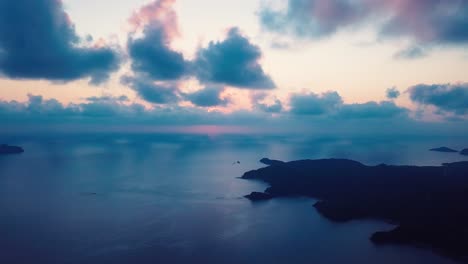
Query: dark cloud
{"x":413,"y":52}
{"x":275,"y":107}
{"x":258,"y":103}
{"x":423,"y":21}
{"x":310,"y":18}
{"x":151,"y":55}
{"x":151,"y":91}
{"x":382,"y":110}
{"x":233,"y":62}
{"x":38,"y":41}
{"x":314,"y":104}
{"x":207,"y":97}
{"x":107,"y":98}
{"x":331,"y":105}
{"x":451,"y":98}
{"x":392,"y":93}
{"x":427,"y":21}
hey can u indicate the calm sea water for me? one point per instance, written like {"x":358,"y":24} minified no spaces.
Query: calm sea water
{"x":177,"y":199}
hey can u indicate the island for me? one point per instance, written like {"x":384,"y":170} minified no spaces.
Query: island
{"x":464,"y":152}
{"x":6,"y":149}
{"x":428,"y":204}
{"x":444,"y":149}
{"x":258,"y":196}
{"x":268,"y":161}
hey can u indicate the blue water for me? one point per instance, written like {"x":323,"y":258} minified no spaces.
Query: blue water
{"x":178,"y":199}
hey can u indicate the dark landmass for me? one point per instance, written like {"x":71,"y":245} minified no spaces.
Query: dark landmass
{"x":258,"y":196}
{"x":464,"y":152}
{"x":5,"y":149}
{"x":428,"y":204}
{"x":444,"y":149}
{"x":267,"y":161}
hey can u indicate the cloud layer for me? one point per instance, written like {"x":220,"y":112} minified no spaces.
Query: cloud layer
{"x":38,"y":41}
{"x":108,"y":113}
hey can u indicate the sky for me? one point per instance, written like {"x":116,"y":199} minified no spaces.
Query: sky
{"x":322,"y":66}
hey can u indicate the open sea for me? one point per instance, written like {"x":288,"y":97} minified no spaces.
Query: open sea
{"x":161,"y":198}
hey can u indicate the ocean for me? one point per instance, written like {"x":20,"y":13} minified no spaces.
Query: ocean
{"x":162,"y":198}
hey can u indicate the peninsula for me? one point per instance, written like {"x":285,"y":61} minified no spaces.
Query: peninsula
{"x":428,"y":204}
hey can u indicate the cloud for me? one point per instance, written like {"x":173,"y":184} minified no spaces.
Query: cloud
{"x":107,"y":98}
{"x":309,"y":18}
{"x":392,"y":93}
{"x":423,"y":21}
{"x":258,"y":103}
{"x":161,"y":14}
{"x":156,"y":65}
{"x":452,"y":98}
{"x":233,"y":62}
{"x":38,"y":110}
{"x":412,"y":52}
{"x":331,"y":105}
{"x":382,"y":110}
{"x":275,"y":107}
{"x":151,"y":53}
{"x":39,"y":41}
{"x":314,"y":104}
{"x":151,"y":91}
{"x":207,"y":97}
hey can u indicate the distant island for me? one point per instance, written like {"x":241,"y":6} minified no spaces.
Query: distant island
{"x":464,"y":152}
{"x":444,"y":149}
{"x":429,"y":204}
{"x":5,"y":149}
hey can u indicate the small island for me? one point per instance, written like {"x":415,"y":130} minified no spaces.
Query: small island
{"x":428,"y":204}
{"x":443,"y":149}
{"x":464,"y":152}
{"x":6,"y":149}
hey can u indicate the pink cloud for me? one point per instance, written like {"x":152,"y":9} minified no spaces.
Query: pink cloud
{"x":160,"y":14}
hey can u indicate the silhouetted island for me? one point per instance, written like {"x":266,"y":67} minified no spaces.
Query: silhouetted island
{"x":443,"y":149}
{"x":429,"y":204}
{"x":5,"y":149}
{"x":268,"y":161}
{"x":464,"y":152}
{"x":258,"y":196}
